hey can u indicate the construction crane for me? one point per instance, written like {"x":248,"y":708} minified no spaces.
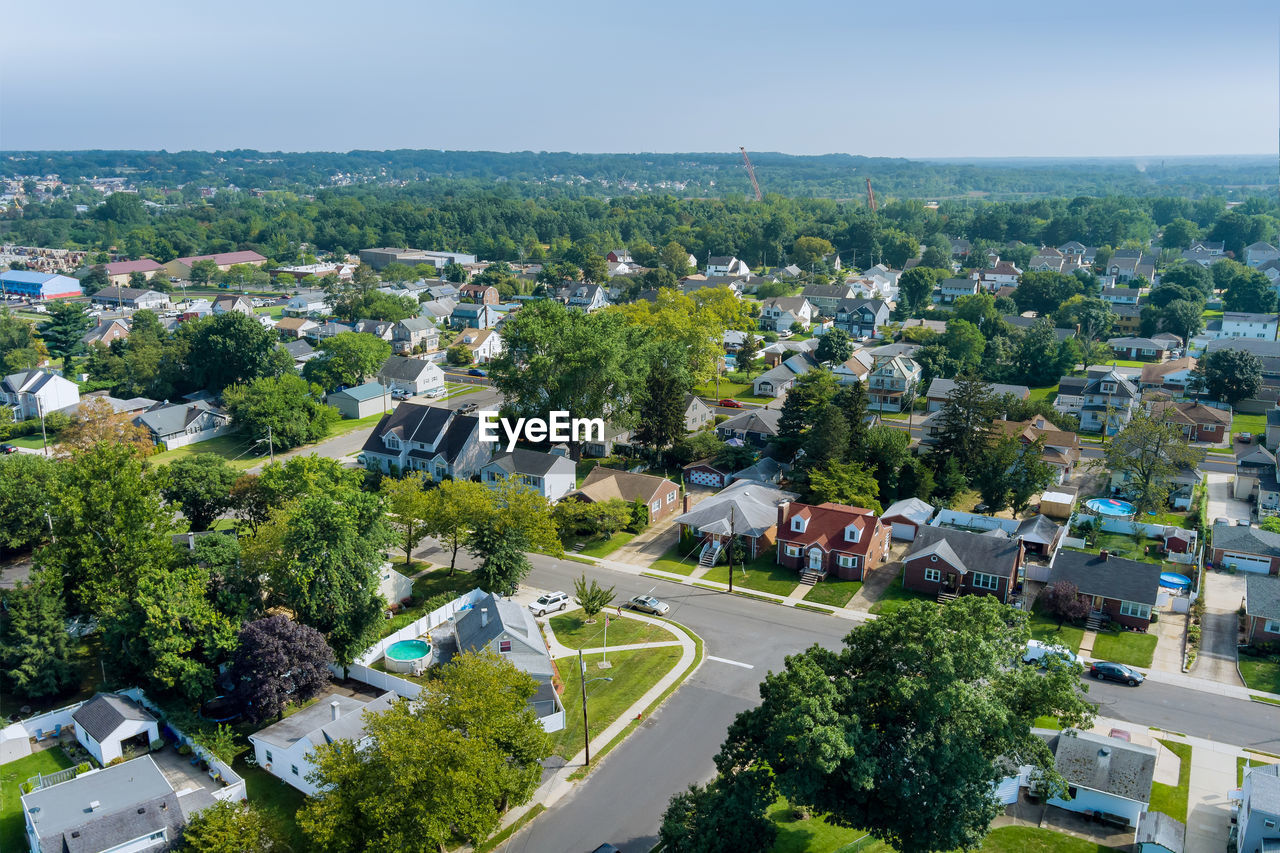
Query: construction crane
{"x":871,"y":196}
{"x":751,"y":173}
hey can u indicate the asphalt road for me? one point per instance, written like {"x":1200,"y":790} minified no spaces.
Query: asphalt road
{"x":623,"y":799}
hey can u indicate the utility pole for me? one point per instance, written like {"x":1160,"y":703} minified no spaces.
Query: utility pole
{"x":44,"y":436}
{"x":732,"y":535}
{"x":271,"y":445}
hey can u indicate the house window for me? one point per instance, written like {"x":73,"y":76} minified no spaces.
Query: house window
{"x":294,"y":768}
{"x":1141,"y":611}
{"x":391,"y":441}
{"x":846,"y":561}
{"x":1269,"y":824}
{"x":932,"y":575}
{"x":981,"y":581}
{"x":793,"y":550}
{"x":797,"y":524}
{"x":504,"y":645}
{"x":1272,"y":626}
{"x":269,"y":758}
{"x":657,"y":505}
{"x":671,"y":496}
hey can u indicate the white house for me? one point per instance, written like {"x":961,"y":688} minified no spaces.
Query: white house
{"x":951,"y":289}
{"x":432,"y":439}
{"x":722,"y":265}
{"x":773,"y":383}
{"x":485,"y":344}
{"x":893,"y":383}
{"x":549,"y":474}
{"x":36,"y":393}
{"x":855,"y":369}
{"x":1239,"y":324}
{"x":1103,"y":774}
{"x":412,"y":375}
{"x":782,"y":312}
{"x":109,"y":723}
{"x":180,"y":424}
{"x":1258,"y":815}
{"x":1257,"y":254}
{"x":307,"y":302}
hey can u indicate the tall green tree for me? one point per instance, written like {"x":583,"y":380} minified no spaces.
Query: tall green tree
{"x":1248,"y":290}
{"x":853,"y":401}
{"x":346,"y":359}
{"x":474,"y":744}
{"x":1184,"y":319}
{"x":811,"y":391}
{"x":286,"y":410}
{"x":227,"y":827}
{"x":845,"y":483}
{"x":29,"y":488}
{"x":35,"y":654}
{"x":834,"y":346}
{"x":454,"y":510}
{"x":916,"y":285}
{"x":409,"y":507}
{"x":201,"y":486}
{"x":1229,"y":375}
{"x":226,"y":349}
{"x":662,"y":405}
{"x":516,"y":520}
{"x":66,"y":324}
{"x":1148,"y":454}
{"x":965,"y":424}
{"x":828,"y":438}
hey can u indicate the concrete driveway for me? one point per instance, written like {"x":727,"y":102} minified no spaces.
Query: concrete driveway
{"x":1221,"y":503}
{"x":1217,"y":658}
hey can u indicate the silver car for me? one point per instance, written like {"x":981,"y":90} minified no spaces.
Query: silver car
{"x":649,"y":604}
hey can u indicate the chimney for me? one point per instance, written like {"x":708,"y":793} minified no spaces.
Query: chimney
{"x":686,"y":494}
{"x":782,"y":512}
{"x":1104,"y":759}
{"x":484,"y":617}
{"x":1104,"y":553}
{"x":334,"y":710}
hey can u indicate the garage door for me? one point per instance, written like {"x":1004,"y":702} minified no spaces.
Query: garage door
{"x":904,"y":531}
{"x":704,"y":478}
{"x":1246,"y":562}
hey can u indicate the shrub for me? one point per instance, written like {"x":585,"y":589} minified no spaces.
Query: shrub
{"x":185,"y":749}
{"x":119,"y":759}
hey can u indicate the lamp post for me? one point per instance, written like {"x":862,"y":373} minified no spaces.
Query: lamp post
{"x":586,"y":727}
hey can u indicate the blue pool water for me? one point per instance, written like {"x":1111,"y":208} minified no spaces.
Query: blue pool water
{"x":409,"y":650}
{"x":1109,"y":506}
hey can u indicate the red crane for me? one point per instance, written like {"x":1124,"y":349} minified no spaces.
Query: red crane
{"x":871,"y":195}
{"x":751,"y":173}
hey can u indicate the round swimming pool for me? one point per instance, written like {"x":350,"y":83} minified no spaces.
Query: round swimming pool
{"x":1173,"y":580}
{"x":406,"y":654}
{"x":1110,"y":506}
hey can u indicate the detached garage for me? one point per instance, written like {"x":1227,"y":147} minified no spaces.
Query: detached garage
{"x":1246,"y":549}
{"x":905,"y":517}
{"x":360,"y":401}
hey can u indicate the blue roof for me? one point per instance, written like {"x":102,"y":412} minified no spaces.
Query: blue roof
{"x":29,"y":277}
{"x":367,"y":391}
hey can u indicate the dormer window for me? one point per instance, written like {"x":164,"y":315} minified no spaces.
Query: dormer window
{"x":799,"y":523}
{"x":391,"y":441}
{"x":1108,"y":387}
{"x":852,"y":533}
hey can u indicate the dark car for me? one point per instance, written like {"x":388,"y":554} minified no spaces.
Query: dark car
{"x":8,"y":448}
{"x":475,"y":371}
{"x":730,"y":403}
{"x":468,"y":408}
{"x":1108,"y":671}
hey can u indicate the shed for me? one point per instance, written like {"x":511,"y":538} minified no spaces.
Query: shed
{"x":360,"y":401}
{"x":906,"y":517}
{"x":1057,"y":504}
{"x":705,"y":472}
{"x":109,"y":722}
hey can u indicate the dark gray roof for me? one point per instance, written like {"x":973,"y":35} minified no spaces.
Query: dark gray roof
{"x":1262,"y":595}
{"x":104,"y":713}
{"x":828,"y":291}
{"x":1106,"y":764}
{"x":409,"y":369}
{"x":298,"y":348}
{"x":1250,"y":540}
{"x":977,"y":552}
{"x":764,"y":421}
{"x":1039,"y":529}
{"x":168,"y":418}
{"x":1114,"y":577}
{"x":535,"y":462}
{"x":1160,"y":829}
{"x":766,"y":471}
{"x":134,"y":799}
{"x":1257,"y":346}
{"x":943,"y":388}
{"x":414,"y":422}
{"x":313,"y":718}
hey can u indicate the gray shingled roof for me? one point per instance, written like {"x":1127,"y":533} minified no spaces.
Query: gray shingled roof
{"x":1262,"y":595}
{"x":1264,"y":785}
{"x":977,"y":552}
{"x":407,"y":369}
{"x":493,"y":616}
{"x":1158,"y":828}
{"x":1114,"y":577}
{"x":533,"y":462}
{"x":104,"y":713}
{"x":1039,"y":529}
{"x":1250,"y":540}
{"x":944,"y":387}
{"x":314,"y":717}
{"x":1106,"y":764}
{"x":763,"y":421}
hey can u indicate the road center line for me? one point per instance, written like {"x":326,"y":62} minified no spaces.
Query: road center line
{"x":731,"y":662}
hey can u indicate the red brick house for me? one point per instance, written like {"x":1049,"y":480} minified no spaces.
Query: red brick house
{"x":844,"y":541}
{"x":484,"y":294}
{"x":1121,"y":591}
{"x":604,"y":484}
{"x":948,"y":563}
{"x":1262,"y":609}
{"x":1198,"y":422}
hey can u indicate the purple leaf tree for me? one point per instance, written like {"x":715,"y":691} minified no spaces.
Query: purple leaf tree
{"x":279,"y":661}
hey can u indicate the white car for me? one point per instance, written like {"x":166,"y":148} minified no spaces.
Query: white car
{"x":549,"y":602}
{"x":1041,"y":653}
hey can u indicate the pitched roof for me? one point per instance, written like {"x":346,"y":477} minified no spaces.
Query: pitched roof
{"x":602,"y":484}
{"x":409,"y":369}
{"x":1262,"y":595}
{"x":168,"y":418}
{"x":295,"y":324}
{"x":1247,"y":540}
{"x":1264,"y":789}
{"x":1114,"y":577}
{"x":912,"y":509}
{"x":1039,"y":530}
{"x":491,"y":617}
{"x":762,"y":421}
{"x":826,"y":524}
{"x":312,"y":718}
{"x":367,"y":391}
{"x":942,"y":388}
{"x":535,"y":462}
{"x":1191,"y":412}
{"x":144,"y":265}
{"x":1106,"y":764}
{"x":975,"y":551}
{"x":1153,"y":374}
{"x":746,"y":507}
{"x":105,"y":713}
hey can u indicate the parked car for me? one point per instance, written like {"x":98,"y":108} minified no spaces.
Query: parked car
{"x":730,"y":403}
{"x":8,"y":448}
{"x":649,"y":604}
{"x":1244,"y":437}
{"x":1042,"y":653}
{"x":551,"y":601}
{"x":401,"y":395}
{"x":467,"y":408}
{"x":475,"y":371}
{"x":1108,"y":671}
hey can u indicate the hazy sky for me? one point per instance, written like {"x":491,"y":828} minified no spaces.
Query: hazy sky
{"x":905,"y":78}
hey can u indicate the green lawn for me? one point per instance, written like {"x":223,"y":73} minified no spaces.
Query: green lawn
{"x":1209,"y":314}
{"x":1033,"y":839}
{"x":13,"y":834}
{"x":676,"y":562}
{"x":1046,"y":394}
{"x":345,"y":426}
{"x":1261,"y":673}
{"x":572,"y":630}
{"x":1047,"y":723}
{"x":1126,"y":546}
{"x":762,"y":574}
{"x":1256,"y":424}
{"x":1242,"y":763}
{"x":633,"y":672}
{"x":598,"y":546}
{"x":1120,"y":362}
{"x":235,"y":448}
{"x":275,"y":313}
{"x":1172,"y":799}
{"x":33,"y":441}
{"x":727,"y":389}
{"x":278,"y":802}
{"x":833,"y":591}
{"x":429,"y":585}
{"x":1045,"y":629}
{"x":1127,"y":647}
{"x":894,"y":597}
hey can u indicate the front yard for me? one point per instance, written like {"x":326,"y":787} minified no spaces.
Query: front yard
{"x":1172,"y":799}
{"x":597,"y":545}
{"x":1127,"y":647}
{"x":833,"y":591}
{"x":1260,"y":672}
{"x":572,"y":630}
{"x":277,"y":801}
{"x":1045,"y":629}
{"x":895,"y":597}
{"x":13,"y":833}
{"x":762,"y":574}
{"x":1256,"y":424}
{"x":677,"y":562}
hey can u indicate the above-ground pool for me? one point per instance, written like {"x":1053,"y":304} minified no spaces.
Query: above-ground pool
{"x":405,"y":655}
{"x":1173,"y":580}
{"x":1109,"y":506}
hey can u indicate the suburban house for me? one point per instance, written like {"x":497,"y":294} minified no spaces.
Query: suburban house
{"x":779,"y":351}
{"x":549,"y":474}
{"x":704,"y":472}
{"x":746,"y":509}
{"x":830,"y":538}
{"x":778,"y":380}
{"x":1061,"y":448}
{"x":36,"y":393}
{"x":1256,"y":478}
{"x":107,"y":331}
{"x":1001,"y":274}
{"x":940,"y":391}
{"x":296,"y":327}
{"x":180,"y":424}
{"x":1239,"y":324}
{"x":615,"y":438}
{"x":507,"y":629}
{"x":484,"y":344}
{"x":1181,"y":490}
{"x":414,"y":335}
{"x":1079,"y":251}
{"x":764,"y":470}
{"x":755,"y":427}
{"x":951,"y":289}
{"x":121,"y":273}
{"x":1258,"y":816}
{"x":128,"y":807}
{"x":1116,"y":296}
{"x":1262,"y":609}
{"x":893,"y":383}
{"x":181,"y":267}
{"x":432,"y":439}
{"x":1129,"y":264}
{"x":905,"y":518}
{"x":855,"y":369}
{"x":697,"y":414}
{"x":282,"y":748}
{"x":437,"y":311}
{"x":131,"y":297}
{"x":960,"y":247}
{"x":862,"y":318}
{"x":412,"y":375}
{"x":304,"y":303}
{"x":602,"y":484}
{"x":1119,"y":590}
{"x":584,"y":297}
{"x":481,"y":293}
{"x":1107,"y":775}
{"x":380,"y":329}
{"x":238,"y":304}
{"x":782,"y":312}
{"x":1104,"y":398}
{"x":948,"y":563}
{"x":1140,"y":349}
{"x":1018,"y":321}
{"x":618,"y":256}
{"x":1173,"y":376}
{"x":1197,"y":421}
{"x":719,"y":265}
{"x":110,"y":723}
{"x":471,"y":315}
{"x":736,"y":285}
{"x":360,"y":401}
{"x":38,"y":286}
{"x":827,"y":297}
{"x":300,"y":351}
{"x":1128,"y":319}
{"x":1257,"y":254}
{"x":1246,"y":549}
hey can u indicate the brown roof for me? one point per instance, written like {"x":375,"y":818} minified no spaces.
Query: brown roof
{"x":1154,"y":373}
{"x":604,"y":484}
{"x":245,"y":257}
{"x":292,"y":324}
{"x":826,"y":526}
{"x":1191,"y":413}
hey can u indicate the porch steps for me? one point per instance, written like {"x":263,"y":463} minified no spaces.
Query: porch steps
{"x":709,"y":554}
{"x":1097,"y":621}
{"x":947,"y":597}
{"x":809,"y":578}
